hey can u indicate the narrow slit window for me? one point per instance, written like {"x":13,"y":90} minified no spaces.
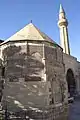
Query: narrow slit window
{"x":3,"y":72}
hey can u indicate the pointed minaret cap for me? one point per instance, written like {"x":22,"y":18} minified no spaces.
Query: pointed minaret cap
{"x":61,"y":9}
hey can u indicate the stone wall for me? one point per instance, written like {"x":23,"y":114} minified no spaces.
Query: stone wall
{"x":57,"y":86}
{"x":24,"y":78}
{"x":71,"y":63}
{"x":55,"y":74}
{"x":34,"y":80}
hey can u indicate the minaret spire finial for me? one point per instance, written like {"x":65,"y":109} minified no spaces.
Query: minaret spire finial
{"x":63,"y":24}
{"x":61,"y":9}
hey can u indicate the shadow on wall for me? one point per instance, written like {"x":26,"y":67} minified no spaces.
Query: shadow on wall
{"x":20,"y":64}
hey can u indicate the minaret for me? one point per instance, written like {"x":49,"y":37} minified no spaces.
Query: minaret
{"x":63,"y":23}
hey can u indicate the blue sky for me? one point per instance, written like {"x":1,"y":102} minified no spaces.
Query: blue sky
{"x":15,"y":14}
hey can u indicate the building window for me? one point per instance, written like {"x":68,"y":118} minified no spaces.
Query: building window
{"x":51,"y":101}
{"x":50,"y":90}
{"x":3,"y":72}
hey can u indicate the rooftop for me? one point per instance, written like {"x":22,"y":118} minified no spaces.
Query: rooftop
{"x":30,"y":32}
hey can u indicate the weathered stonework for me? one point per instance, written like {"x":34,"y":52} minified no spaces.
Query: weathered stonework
{"x":34,"y":80}
{"x":72,"y":63}
{"x":36,"y":74}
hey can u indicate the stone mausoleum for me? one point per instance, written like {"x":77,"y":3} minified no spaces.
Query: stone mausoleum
{"x":37,"y":75}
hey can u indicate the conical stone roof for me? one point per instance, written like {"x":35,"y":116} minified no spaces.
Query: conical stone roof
{"x":30,"y":32}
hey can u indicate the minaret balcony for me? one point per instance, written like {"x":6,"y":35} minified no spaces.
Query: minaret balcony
{"x":62,"y":22}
